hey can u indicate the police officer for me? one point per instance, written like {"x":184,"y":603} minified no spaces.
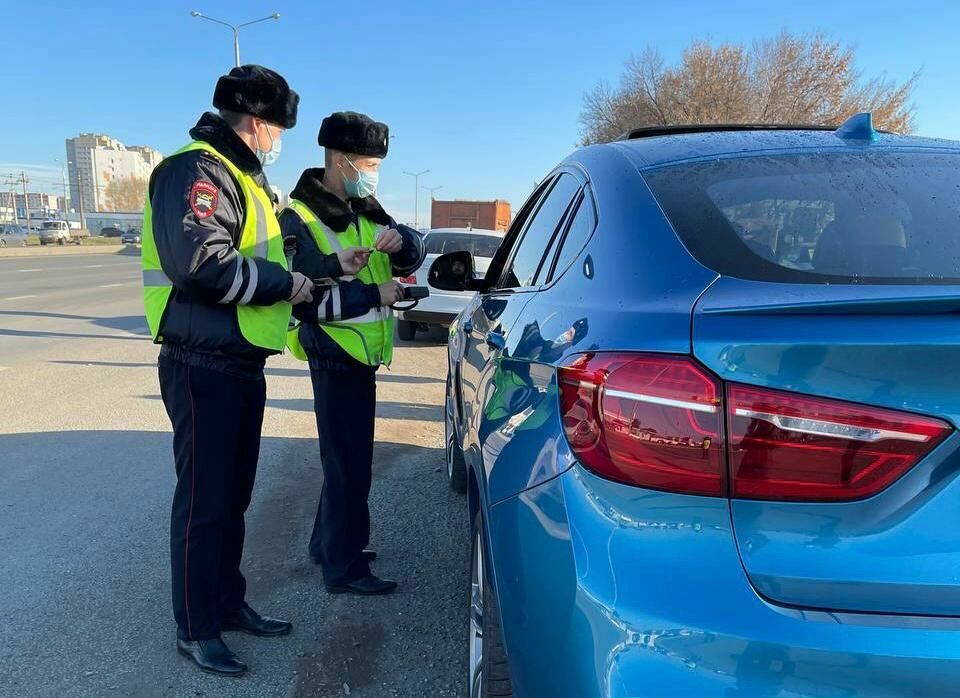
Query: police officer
{"x":218,"y":299}
{"x":347,"y":331}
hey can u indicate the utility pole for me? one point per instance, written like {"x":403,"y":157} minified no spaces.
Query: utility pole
{"x":63,"y":177}
{"x":416,"y":195}
{"x":12,"y":183}
{"x":24,"y":180}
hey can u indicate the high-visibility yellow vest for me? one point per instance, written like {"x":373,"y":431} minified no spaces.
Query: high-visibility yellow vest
{"x":368,"y":338}
{"x":261,"y":325}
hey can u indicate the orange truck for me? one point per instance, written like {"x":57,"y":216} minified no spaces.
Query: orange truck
{"x":484,"y":215}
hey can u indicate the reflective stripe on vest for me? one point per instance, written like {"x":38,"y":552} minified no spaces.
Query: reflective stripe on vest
{"x":262,"y":326}
{"x":368,"y":338}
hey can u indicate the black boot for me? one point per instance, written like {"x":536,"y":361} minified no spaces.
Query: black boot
{"x":212,"y":655}
{"x":370,"y":585}
{"x":246,"y":620}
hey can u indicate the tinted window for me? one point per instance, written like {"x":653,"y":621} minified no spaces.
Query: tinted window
{"x":876,"y":217}
{"x":477,"y":245}
{"x":578,"y":232}
{"x":539,"y":233}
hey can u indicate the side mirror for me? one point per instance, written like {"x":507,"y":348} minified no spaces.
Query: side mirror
{"x":453,"y":272}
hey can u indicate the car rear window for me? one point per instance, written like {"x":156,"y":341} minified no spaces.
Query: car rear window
{"x":477,"y":245}
{"x":864,"y":217}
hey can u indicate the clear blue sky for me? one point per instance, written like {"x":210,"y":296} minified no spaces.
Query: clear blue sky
{"x":486,"y":95}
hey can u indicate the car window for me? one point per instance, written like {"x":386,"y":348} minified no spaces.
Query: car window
{"x":578,"y":232}
{"x":530,"y":252}
{"x":865,"y":217}
{"x":476,"y":245}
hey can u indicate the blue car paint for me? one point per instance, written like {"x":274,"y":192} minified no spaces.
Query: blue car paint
{"x":611,"y":590}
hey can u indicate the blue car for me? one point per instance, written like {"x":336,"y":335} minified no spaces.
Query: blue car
{"x":704,"y":408}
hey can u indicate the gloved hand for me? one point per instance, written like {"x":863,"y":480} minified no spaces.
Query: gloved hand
{"x":302,"y":289}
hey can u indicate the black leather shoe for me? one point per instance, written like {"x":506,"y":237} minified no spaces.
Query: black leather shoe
{"x":365,"y":586}
{"x":246,"y":620}
{"x":212,"y":655}
{"x":368,"y":556}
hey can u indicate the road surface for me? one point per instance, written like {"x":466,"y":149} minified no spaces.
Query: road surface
{"x":85,"y":488}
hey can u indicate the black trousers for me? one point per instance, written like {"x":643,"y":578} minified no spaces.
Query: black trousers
{"x":216,"y":419}
{"x":345,"y":401}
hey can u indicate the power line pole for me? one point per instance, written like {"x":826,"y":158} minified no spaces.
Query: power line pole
{"x":12,"y":183}
{"x":416,"y":195}
{"x":24,"y":180}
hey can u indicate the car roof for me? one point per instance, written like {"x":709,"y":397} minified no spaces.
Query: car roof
{"x":660,"y":147}
{"x":467,"y":231}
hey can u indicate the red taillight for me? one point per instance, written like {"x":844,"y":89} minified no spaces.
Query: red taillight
{"x":408,"y":279}
{"x":650,"y":421}
{"x":793,"y":447}
{"x":656,"y":421}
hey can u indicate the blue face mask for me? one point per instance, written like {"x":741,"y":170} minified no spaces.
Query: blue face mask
{"x":268,"y":157}
{"x":363,"y":186}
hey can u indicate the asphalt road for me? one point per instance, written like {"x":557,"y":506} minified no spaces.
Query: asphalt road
{"x":86,"y":477}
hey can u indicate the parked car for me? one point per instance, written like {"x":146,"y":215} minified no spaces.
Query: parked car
{"x":441,"y":307}
{"x":131,"y":237}
{"x":111,"y":232}
{"x":12,"y":235}
{"x":58,"y":233}
{"x":705,"y":406}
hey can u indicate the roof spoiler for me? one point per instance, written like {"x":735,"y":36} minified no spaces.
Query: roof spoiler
{"x":857,"y":127}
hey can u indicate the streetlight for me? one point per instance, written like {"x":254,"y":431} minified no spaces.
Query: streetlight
{"x":416,"y":196}
{"x":236,"y":29}
{"x":63,"y":176}
{"x":432,"y":189}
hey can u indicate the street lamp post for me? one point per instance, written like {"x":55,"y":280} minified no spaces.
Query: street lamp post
{"x":63,"y":176}
{"x":432,"y":190}
{"x":416,"y":195}
{"x":235,"y":28}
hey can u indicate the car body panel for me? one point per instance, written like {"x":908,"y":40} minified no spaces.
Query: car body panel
{"x":889,"y":346}
{"x":641,"y":594}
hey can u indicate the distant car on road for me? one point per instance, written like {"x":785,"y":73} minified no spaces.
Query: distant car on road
{"x":131,"y":237}
{"x":704,"y":404}
{"x":111,"y":232}
{"x":442,"y":307}
{"x":58,"y":233}
{"x":12,"y":235}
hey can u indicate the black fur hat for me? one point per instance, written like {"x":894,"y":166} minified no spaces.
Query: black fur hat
{"x":357,"y":134}
{"x":259,"y":91}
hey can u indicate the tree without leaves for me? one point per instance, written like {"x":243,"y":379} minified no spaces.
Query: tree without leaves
{"x":126,"y":194}
{"x":787,"y":79}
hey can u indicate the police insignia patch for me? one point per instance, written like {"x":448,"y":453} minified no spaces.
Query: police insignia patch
{"x":204,"y":198}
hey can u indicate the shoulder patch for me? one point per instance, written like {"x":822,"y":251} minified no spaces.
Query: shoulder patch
{"x":204,"y":198}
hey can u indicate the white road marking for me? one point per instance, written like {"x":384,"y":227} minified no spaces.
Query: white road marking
{"x":19,"y":298}
{"x":24,"y":271}
{"x":112,"y":285}
{"x":95,"y":266}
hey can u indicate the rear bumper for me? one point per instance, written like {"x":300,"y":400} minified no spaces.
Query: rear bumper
{"x":643,"y":593}
{"x":439,"y":308}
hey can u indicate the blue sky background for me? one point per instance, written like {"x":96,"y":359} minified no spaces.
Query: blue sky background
{"x":485,"y":95}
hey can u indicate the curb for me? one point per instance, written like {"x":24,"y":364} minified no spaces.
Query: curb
{"x":56,"y":251}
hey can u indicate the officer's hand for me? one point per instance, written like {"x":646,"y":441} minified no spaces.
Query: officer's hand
{"x":389,"y":241}
{"x":390,"y":292}
{"x":302,"y":289}
{"x":353,"y":259}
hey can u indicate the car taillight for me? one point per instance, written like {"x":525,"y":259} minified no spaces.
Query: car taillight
{"x":409,"y":279}
{"x":645,"y":420}
{"x":792,"y":447}
{"x":657,"y":421}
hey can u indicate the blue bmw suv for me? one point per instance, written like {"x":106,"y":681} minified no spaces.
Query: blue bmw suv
{"x":704,"y":407}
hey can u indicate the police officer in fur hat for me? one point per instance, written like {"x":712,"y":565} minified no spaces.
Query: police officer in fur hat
{"x":218,"y":298}
{"x":346,"y":332}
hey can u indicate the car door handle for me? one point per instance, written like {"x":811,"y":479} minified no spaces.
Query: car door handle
{"x":495,"y":340}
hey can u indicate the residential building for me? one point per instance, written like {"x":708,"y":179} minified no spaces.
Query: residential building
{"x":96,"y":161}
{"x":42,"y":206}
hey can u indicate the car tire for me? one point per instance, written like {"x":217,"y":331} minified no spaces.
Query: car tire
{"x":406,"y":330}
{"x":489,"y":673}
{"x":456,"y":464}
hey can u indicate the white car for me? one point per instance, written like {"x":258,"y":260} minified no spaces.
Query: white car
{"x":442,"y":307}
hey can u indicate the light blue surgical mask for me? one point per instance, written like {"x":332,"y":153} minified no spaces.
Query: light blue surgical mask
{"x":363,"y":186}
{"x":268,"y":157}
